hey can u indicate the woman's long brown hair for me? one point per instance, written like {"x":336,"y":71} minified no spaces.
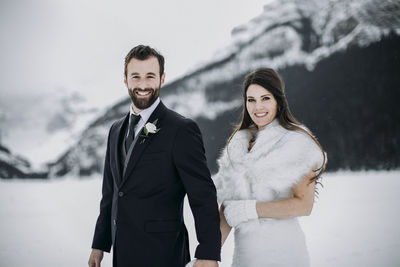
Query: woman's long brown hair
{"x":270,"y":80}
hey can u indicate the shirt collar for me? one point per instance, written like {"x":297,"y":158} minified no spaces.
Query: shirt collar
{"x":146,"y":113}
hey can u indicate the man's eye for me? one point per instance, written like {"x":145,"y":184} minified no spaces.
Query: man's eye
{"x":150,"y":77}
{"x":135,"y":77}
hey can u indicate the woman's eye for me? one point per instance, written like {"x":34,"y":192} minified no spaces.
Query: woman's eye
{"x":266,"y":98}
{"x":250,"y":100}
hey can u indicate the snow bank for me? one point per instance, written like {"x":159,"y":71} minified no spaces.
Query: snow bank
{"x":50,"y":223}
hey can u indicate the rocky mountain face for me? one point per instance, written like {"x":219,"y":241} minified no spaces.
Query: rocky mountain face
{"x":339,"y":60}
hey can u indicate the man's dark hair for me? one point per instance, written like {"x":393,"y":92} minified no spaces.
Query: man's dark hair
{"x":143,"y":52}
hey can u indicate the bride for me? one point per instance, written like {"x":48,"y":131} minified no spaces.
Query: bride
{"x":267,"y":176}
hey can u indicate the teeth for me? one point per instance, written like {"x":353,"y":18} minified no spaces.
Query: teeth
{"x":260,"y":114}
{"x":143,"y":93}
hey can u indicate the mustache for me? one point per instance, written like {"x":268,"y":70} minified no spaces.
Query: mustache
{"x":143,"y":89}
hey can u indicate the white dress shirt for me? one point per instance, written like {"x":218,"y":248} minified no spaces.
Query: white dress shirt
{"x":144,"y":116}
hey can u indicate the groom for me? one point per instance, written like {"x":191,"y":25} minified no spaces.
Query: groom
{"x":154,"y":158}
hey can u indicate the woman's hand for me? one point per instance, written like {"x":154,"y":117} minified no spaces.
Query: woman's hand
{"x":202,"y":263}
{"x":299,"y":205}
{"x":239,"y":211}
{"x":206,"y":263}
{"x":224,"y":226}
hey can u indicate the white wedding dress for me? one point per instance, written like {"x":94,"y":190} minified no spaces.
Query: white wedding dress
{"x":277,"y":162}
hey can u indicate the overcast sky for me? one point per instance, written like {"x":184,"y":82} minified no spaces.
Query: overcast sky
{"x":50,"y":46}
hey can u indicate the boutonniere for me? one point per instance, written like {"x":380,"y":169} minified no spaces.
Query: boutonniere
{"x":150,"y":128}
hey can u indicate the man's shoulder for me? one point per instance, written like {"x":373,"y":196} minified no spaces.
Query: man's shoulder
{"x":173,"y":118}
{"x":117,"y":122}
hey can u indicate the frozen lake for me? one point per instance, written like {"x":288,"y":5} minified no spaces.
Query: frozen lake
{"x":355,"y":222}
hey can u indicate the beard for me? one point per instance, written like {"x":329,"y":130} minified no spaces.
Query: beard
{"x":144,"y":102}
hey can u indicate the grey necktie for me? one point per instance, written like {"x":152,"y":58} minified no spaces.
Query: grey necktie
{"x":133,"y":120}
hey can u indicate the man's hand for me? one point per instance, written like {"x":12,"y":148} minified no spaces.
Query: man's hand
{"x":95,"y":258}
{"x":205,"y":263}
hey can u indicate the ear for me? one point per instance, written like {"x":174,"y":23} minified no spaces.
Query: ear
{"x":162,"y":79}
{"x":125,"y":81}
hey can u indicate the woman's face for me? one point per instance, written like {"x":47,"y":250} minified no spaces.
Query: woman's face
{"x":261,"y":105}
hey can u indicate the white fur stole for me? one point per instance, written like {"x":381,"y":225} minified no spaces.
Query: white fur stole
{"x":277,"y":162}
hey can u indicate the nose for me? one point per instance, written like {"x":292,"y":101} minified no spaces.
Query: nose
{"x":258,"y":106}
{"x":140,"y":84}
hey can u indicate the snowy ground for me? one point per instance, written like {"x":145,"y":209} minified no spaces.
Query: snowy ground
{"x":355,"y":222}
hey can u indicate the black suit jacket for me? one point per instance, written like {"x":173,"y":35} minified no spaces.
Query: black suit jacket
{"x":141,"y":213}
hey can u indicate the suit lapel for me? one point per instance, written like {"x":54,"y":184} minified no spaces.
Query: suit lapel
{"x":143,"y":141}
{"x":120,"y":131}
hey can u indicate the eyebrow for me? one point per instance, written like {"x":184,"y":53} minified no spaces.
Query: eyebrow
{"x":137,"y":73}
{"x":260,"y":96}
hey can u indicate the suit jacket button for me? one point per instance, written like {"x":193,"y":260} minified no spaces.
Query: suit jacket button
{"x":120,"y":194}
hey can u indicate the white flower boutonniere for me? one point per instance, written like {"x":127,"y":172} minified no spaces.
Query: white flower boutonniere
{"x":150,"y":128}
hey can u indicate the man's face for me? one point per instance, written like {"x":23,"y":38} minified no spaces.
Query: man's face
{"x":143,"y":81}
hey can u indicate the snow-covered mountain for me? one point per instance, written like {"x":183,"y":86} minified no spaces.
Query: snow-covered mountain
{"x":41,"y":127}
{"x":12,"y":166}
{"x":287,"y":33}
{"x":339,"y":60}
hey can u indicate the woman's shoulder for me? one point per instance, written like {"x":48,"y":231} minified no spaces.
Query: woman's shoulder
{"x":236,"y":148}
{"x":299,"y":137}
{"x":240,"y":139}
{"x":303,"y":146}
{"x":243,"y":134}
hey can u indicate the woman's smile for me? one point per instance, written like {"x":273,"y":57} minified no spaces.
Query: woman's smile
{"x":261,"y":115}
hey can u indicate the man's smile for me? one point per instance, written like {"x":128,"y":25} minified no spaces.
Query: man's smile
{"x":143,"y":92}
